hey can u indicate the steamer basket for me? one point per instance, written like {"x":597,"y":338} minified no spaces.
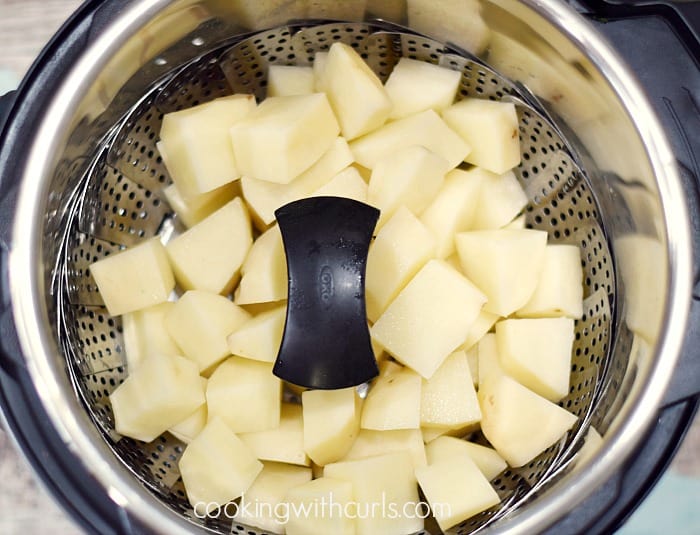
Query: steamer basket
{"x":595,"y":166}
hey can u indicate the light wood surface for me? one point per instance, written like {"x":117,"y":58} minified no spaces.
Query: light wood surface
{"x":25,"y":26}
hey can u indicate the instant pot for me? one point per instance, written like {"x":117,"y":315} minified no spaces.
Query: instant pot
{"x":608,"y":99}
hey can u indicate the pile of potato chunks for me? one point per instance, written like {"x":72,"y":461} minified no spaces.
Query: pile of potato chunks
{"x":472,"y":315}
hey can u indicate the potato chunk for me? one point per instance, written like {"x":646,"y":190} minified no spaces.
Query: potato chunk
{"x":537,"y":353}
{"x":348,"y":184}
{"x":186,"y":430}
{"x":414,"y":86}
{"x":387,"y":479}
{"x":448,"y":398}
{"x":145,"y":333}
{"x":559,"y":291}
{"x":264,"y":271}
{"x":196,"y":146}
{"x":430,"y":318}
{"x":194,"y":209}
{"x":209,"y":255}
{"x":265,"y":197}
{"x":402,"y":247}
{"x":486,"y":459}
{"x":452,"y":210}
{"x":501,"y":198}
{"x":410,"y":176}
{"x":510,"y":413}
{"x":135,"y":278}
{"x":451,"y":500}
{"x":370,"y":443}
{"x":266,"y":497}
{"x":323,"y":519}
{"x":490,"y":128}
{"x":284,"y":443}
{"x":357,"y":96}
{"x":200,"y":322}
{"x":284,"y":136}
{"x":504,"y":264}
{"x":331,"y":423}
{"x":245,"y":395}
{"x":426,"y":129}
{"x":217,"y":467}
{"x":161,"y":392}
{"x":286,"y":80}
{"x":393,"y":402}
{"x":260,"y":337}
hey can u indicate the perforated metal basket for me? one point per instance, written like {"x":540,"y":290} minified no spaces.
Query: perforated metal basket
{"x":104,"y":193}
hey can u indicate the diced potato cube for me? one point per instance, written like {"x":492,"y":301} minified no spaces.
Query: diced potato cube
{"x":486,"y":459}
{"x":452,"y":500}
{"x":356,"y":94}
{"x":473,"y":361}
{"x":287,"y":80}
{"x":187,"y":429}
{"x":504,"y":264}
{"x":537,"y":353}
{"x":259,"y":338}
{"x":388,"y":366}
{"x":370,"y":443}
{"x":431,"y":433}
{"x":264,"y":271}
{"x":321,"y":519}
{"x":519,"y":222}
{"x":510,"y":412}
{"x":452,"y":210}
{"x":348,"y":184}
{"x":402,"y":247}
{"x":456,"y":21}
{"x":430,"y":318}
{"x":642,"y":268}
{"x":484,"y":321}
{"x":489,"y":360}
{"x":284,"y":136}
{"x":266,"y":497}
{"x":161,"y":392}
{"x":145,"y":333}
{"x":284,"y":443}
{"x":265,"y":197}
{"x":385,"y":478}
{"x":209,"y":255}
{"x":200,"y":322}
{"x":501,"y":198}
{"x":217,"y":467}
{"x":414,"y":86}
{"x":426,"y":129}
{"x":196,"y":146}
{"x":245,"y":395}
{"x":331,"y":423}
{"x":319,"y":68}
{"x":393,"y":402}
{"x":559,"y":291}
{"x":448,"y":398}
{"x":490,"y":128}
{"x":410,"y":176}
{"x":591,"y":444}
{"x":135,"y":278}
{"x":194,"y":209}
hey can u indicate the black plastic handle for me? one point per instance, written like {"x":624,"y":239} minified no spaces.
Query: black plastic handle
{"x":326,"y":343}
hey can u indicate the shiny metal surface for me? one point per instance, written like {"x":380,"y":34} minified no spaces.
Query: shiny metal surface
{"x":542,"y":45}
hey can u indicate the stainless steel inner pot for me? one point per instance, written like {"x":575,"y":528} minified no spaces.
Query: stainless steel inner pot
{"x":596,"y":167}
